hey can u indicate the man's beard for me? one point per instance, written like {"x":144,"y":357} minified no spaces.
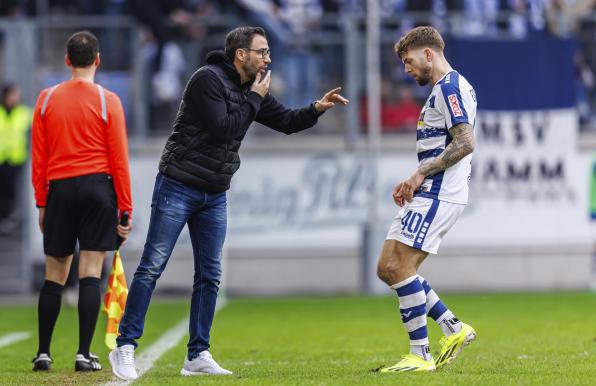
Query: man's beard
{"x":250,"y":70}
{"x":425,"y":77}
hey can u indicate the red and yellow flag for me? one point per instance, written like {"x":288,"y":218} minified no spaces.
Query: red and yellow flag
{"x":115,"y":300}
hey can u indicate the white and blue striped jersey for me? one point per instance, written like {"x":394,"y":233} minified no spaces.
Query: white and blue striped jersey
{"x":451,"y":102}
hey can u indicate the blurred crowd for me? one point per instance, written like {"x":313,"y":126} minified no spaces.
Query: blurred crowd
{"x":482,"y":17}
{"x":297,"y":28}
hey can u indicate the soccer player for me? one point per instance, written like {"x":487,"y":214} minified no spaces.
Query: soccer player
{"x":431,"y":200}
{"x":220,"y":102}
{"x":81,"y":180}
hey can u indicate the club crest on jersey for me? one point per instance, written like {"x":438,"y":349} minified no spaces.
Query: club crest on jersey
{"x":454,"y":105}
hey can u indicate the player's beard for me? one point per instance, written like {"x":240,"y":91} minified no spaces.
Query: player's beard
{"x":425,"y":76}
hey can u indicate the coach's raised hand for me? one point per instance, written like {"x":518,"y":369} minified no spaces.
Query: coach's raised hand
{"x":261,"y":83}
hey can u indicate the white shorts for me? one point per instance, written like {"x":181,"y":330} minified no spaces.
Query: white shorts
{"x":423,"y":223}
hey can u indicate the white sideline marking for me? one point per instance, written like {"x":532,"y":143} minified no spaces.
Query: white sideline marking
{"x":145,"y":360}
{"x":13,"y":337}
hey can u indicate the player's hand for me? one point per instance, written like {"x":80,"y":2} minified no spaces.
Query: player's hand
{"x":398,"y":198}
{"x":330,"y":99}
{"x":409,"y":186}
{"x":124,"y":231}
{"x":261,"y":83}
{"x":42,"y":215}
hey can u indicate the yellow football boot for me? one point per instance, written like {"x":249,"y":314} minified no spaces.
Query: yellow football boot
{"x":453,"y":344}
{"x":410,"y":362}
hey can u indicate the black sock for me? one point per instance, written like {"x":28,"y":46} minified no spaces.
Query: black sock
{"x":89,"y":302}
{"x":48,"y":308}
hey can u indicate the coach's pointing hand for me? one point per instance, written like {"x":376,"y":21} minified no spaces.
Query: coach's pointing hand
{"x":329,"y":99}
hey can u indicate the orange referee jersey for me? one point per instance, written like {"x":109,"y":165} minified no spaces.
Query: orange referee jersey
{"x":78,"y":129}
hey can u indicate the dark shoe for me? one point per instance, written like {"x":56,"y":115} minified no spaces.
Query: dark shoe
{"x":42,"y":362}
{"x":87,"y":364}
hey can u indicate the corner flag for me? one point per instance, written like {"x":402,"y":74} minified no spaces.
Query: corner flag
{"x":115,"y":297}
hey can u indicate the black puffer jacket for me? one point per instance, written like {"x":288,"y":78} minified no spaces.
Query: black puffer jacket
{"x":215,"y":112}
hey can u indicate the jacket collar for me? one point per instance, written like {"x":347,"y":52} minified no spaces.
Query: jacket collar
{"x":220,"y":59}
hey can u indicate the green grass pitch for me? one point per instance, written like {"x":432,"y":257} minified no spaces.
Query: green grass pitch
{"x":523,"y":339}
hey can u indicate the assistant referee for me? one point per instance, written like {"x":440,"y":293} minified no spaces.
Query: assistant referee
{"x":81,"y":180}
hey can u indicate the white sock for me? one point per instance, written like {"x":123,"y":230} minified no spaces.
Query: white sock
{"x":449,"y":323}
{"x":412,"y":308}
{"x":422,"y":350}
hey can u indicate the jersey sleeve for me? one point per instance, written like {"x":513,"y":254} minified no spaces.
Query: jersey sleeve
{"x":39,"y":154}
{"x":118,"y":152}
{"x":457,"y":104}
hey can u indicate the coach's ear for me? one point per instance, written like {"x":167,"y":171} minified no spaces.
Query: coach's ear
{"x":241,"y":54}
{"x":97,"y":60}
{"x":67,"y":60}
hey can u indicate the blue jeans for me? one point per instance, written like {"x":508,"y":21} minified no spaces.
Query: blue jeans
{"x":173,"y":205}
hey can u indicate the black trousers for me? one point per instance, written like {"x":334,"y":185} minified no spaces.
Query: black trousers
{"x":9,"y":186}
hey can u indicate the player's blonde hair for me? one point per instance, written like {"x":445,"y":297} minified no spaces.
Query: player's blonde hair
{"x":419,"y":37}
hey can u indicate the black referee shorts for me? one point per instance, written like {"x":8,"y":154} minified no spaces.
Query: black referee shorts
{"x":80,"y":208}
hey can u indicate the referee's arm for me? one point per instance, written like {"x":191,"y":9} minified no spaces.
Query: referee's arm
{"x":118,"y":152}
{"x":39,"y":154}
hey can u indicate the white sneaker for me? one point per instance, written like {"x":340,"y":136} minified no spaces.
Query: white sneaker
{"x":122,"y":360}
{"x":204,"y":364}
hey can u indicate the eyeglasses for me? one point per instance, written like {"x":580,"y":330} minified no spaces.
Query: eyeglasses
{"x":264,"y":52}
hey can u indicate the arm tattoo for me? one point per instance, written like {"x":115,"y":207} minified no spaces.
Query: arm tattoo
{"x":461,"y":145}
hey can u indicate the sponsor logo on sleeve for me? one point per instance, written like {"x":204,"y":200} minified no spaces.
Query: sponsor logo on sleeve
{"x":454,"y":105}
